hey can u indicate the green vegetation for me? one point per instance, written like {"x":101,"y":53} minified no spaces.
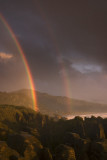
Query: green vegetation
{"x":29,"y":135}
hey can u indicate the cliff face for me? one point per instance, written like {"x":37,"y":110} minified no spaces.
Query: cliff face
{"x":29,"y":135}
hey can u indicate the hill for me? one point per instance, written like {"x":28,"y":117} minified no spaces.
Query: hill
{"x":49,"y":104}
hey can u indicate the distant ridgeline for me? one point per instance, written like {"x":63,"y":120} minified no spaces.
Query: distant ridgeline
{"x":29,"y":135}
{"x":51,"y":104}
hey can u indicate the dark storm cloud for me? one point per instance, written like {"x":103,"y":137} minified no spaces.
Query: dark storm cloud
{"x":32,"y":34}
{"x":78,"y":27}
{"x":81,"y":28}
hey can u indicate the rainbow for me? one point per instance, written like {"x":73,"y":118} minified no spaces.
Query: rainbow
{"x":27,"y":68}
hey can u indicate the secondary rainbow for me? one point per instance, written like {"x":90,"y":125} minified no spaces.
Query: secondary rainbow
{"x":27,"y":68}
{"x":65,"y":76}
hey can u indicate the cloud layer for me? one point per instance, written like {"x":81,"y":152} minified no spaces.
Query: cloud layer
{"x":5,"y":56}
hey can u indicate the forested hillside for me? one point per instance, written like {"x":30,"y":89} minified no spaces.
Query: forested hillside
{"x":51,"y":105}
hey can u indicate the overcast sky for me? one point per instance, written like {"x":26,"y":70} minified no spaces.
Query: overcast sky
{"x":65,"y":43}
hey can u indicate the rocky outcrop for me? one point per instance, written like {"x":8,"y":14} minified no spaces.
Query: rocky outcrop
{"x":64,"y":152}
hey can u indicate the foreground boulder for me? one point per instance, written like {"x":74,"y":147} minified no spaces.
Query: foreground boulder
{"x":26,"y":145}
{"x":7,"y":153}
{"x":94,"y":151}
{"x":64,"y":152}
{"x":74,"y":140}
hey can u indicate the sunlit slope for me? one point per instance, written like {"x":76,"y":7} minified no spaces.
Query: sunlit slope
{"x":20,"y":98}
{"x":51,"y":104}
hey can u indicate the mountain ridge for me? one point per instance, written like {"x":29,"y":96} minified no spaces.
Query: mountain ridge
{"x":49,"y":104}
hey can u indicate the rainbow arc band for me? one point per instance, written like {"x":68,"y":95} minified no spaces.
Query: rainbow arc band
{"x":27,"y":68}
